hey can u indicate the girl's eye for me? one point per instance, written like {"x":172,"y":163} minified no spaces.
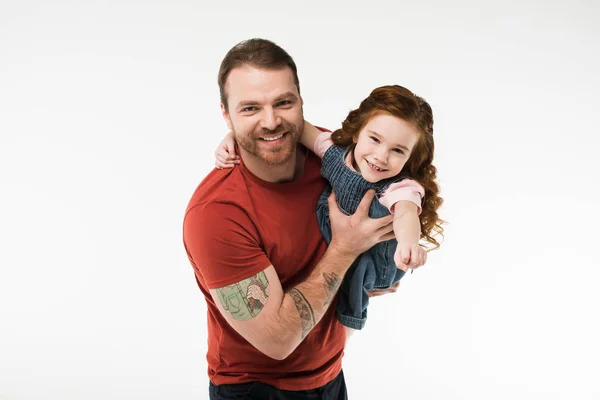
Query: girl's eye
{"x":373,"y":138}
{"x":399,"y":151}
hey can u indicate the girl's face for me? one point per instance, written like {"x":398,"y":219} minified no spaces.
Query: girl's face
{"x":383,"y":146}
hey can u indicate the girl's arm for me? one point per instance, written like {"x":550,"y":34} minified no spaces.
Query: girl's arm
{"x":225,"y":156}
{"x":407,"y":230}
{"x":309,"y":135}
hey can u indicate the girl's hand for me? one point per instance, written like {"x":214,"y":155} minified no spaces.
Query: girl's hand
{"x":409,"y":256}
{"x":225,"y":156}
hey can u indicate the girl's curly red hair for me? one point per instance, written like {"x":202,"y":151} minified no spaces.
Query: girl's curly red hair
{"x":402,"y":103}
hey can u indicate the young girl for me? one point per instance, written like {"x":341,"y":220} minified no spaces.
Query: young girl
{"x":387,"y":145}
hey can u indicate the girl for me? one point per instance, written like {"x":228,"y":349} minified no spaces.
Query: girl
{"x":387,"y":145}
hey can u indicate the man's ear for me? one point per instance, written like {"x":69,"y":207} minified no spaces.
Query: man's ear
{"x":226,"y":117}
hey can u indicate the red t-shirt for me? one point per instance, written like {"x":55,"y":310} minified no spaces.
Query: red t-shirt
{"x":235,"y":226}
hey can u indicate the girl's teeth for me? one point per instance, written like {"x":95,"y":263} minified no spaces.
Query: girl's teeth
{"x":374,"y":167}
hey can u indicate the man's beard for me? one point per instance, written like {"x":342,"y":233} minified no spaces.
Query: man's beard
{"x":274,"y":154}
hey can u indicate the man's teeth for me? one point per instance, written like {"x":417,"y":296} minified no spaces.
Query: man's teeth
{"x":273,"y":138}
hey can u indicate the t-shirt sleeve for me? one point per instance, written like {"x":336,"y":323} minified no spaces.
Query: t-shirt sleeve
{"x":223,"y":244}
{"x":322,"y":143}
{"x":406,"y":189}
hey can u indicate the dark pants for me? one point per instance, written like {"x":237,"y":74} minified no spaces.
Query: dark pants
{"x":334,"y":390}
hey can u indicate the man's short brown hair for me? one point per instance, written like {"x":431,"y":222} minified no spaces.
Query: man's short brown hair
{"x":259,"y":53}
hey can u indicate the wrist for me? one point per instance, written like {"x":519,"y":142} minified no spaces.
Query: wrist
{"x":342,"y":254}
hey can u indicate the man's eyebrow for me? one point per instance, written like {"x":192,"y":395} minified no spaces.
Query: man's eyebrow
{"x":286,"y":95}
{"x":397,"y":145}
{"x":247,"y":103}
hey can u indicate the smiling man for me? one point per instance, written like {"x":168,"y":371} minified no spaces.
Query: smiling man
{"x":253,"y":240}
{"x":263,"y":109}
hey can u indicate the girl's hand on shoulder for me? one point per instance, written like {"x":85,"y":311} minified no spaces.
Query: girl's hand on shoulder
{"x":409,"y":256}
{"x":225,"y":156}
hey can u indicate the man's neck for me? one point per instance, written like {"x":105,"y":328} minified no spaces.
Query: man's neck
{"x":290,"y":171}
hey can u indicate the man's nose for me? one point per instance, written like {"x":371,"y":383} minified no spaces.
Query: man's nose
{"x":270,"y":119}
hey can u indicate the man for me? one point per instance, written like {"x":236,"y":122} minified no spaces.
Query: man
{"x":253,"y":240}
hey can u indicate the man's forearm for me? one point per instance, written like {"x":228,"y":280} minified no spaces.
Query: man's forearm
{"x":304,"y":305}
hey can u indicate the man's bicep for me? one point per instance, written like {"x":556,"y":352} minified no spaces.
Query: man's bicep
{"x":245,"y":299}
{"x":251,"y":306}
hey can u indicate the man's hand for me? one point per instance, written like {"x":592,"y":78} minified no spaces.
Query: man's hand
{"x":355,"y":234}
{"x":380,"y":292}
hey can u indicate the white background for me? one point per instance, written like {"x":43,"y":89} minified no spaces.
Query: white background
{"x":109,"y":115}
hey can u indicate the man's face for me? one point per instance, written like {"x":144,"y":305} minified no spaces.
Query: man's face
{"x":264,"y":112}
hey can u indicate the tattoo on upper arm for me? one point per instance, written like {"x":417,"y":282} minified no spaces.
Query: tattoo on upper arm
{"x":307,"y":316}
{"x":245,"y":299}
{"x":332,"y":283}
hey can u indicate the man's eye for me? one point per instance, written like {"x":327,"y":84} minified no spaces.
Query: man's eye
{"x":374,"y":139}
{"x":284,"y":103}
{"x":248,"y":109}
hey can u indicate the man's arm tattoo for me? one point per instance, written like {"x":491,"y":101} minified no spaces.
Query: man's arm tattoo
{"x":245,"y":299}
{"x":332,"y":283}
{"x":307,"y":316}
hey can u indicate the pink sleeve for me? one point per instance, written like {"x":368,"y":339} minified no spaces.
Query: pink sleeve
{"x":406,"y":189}
{"x":322,"y":143}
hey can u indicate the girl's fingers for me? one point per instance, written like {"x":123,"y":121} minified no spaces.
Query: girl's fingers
{"x":406,"y":256}
{"x":422,"y":257}
{"x":223,"y":166}
{"x":223,"y":159}
{"x":231,"y":150}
